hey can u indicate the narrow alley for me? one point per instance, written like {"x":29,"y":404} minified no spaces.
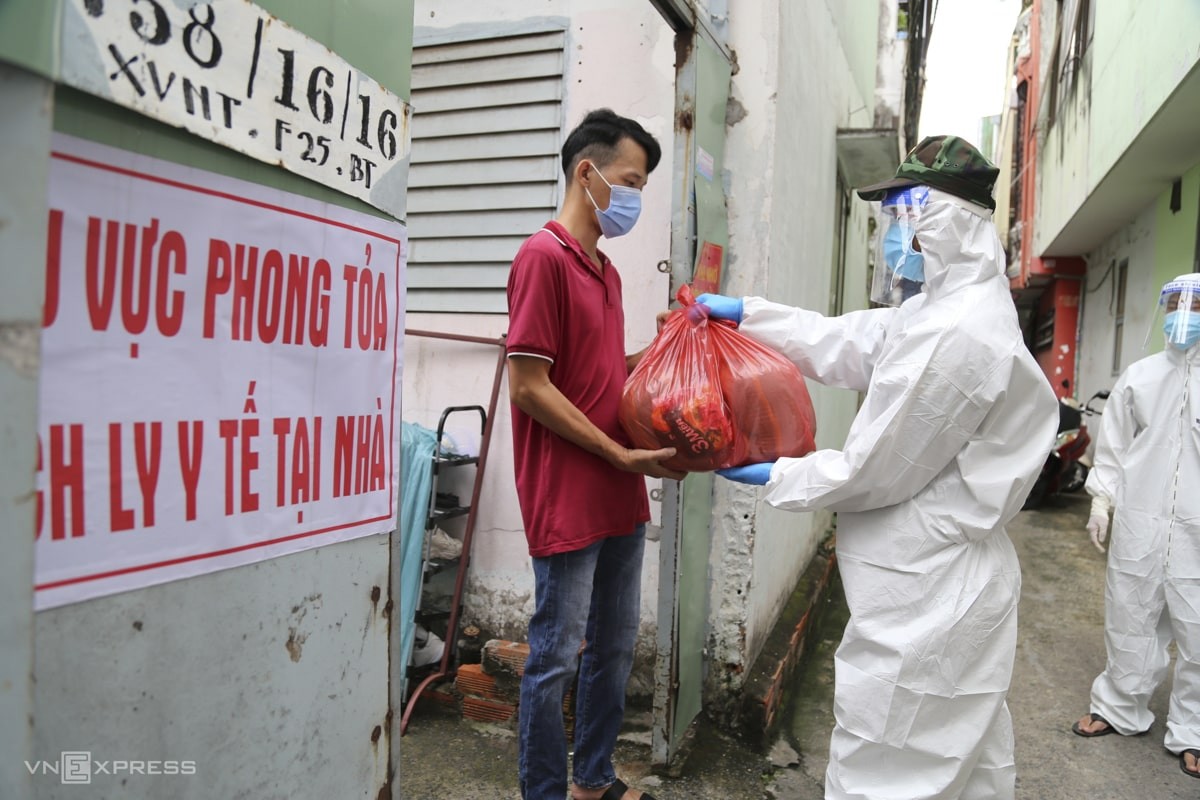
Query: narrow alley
{"x":1059,"y":652}
{"x":355,"y":355}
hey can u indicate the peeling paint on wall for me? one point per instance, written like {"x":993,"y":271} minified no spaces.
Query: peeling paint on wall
{"x":19,"y":347}
{"x":295,"y":640}
{"x":735,"y":112}
{"x":734,"y":533}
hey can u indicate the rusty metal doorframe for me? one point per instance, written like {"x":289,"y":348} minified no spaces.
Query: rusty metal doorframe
{"x":689,"y":502}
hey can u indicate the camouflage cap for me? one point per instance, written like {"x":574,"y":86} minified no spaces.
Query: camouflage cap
{"x":947,"y":163}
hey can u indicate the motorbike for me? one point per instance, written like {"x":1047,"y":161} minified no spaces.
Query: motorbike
{"x":1066,"y":467}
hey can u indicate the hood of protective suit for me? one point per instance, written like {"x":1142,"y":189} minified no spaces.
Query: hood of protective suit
{"x":956,"y":422}
{"x":960,"y":243}
{"x":1189,"y":357}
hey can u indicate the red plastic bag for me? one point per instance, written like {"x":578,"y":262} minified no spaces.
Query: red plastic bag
{"x":717,"y":396}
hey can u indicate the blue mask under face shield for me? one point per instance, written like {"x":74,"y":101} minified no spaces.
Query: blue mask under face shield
{"x":1182,"y":328}
{"x":899,"y":255}
{"x":1179,"y":312}
{"x":899,"y":267}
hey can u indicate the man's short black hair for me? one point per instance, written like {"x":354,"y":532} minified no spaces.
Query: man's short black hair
{"x":597,"y":137}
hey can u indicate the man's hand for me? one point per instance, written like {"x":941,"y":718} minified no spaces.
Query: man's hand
{"x":753,"y":474}
{"x":1097,"y":528}
{"x":530,"y":389}
{"x":661,"y":319}
{"x":649,"y":462}
{"x":722,"y":307}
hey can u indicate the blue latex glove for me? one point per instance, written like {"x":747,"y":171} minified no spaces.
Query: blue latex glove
{"x":722,"y":307}
{"x":754,"y":474}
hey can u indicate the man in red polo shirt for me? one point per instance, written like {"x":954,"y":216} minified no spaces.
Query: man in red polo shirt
{"x":581,"y":487}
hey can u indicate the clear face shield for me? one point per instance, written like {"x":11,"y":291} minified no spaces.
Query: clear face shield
{"x":899,"y":268}
{"x":1179,"y":312}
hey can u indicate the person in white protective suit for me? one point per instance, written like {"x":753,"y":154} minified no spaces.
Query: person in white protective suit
{"x":955,"y":425}
{"x":1147,"y":465}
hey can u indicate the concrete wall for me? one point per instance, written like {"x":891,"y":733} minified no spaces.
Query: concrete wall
{"x":24,"y":169}
{"x":1134,"y":242}
{"x":889,"y":68}
{"x":1019,"y":47}
{"x":1129,"y":115}
{"x":621,"y":56}
{"x":1159,"y":244}
{"x":856,"y":25}
{"x":1139,"y":54}
{"x":796,"y":85}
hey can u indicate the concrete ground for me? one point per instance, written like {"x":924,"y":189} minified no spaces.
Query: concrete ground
{"x":1060,"y":650}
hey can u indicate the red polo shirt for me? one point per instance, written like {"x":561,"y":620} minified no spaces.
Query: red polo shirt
{"x":566,"y":310}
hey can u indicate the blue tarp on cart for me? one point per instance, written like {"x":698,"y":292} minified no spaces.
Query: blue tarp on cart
{"x":416,"y":454}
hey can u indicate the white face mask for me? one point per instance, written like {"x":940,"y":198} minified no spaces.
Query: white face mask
{"x":624,"y":208}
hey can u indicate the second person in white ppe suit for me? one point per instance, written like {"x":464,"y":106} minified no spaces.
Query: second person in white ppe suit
{"x":1147,"y":465}
{"x":955,"y":425}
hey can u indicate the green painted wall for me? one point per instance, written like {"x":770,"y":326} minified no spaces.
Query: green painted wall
{"x":27,"y":34}
{"x":1140,"y":52}
{"x":1140,"y":56}
{"x":373,"y":35}
{"x":1175,"y":232}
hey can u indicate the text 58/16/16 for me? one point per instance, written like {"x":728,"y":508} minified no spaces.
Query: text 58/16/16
{"x":228,"y":71}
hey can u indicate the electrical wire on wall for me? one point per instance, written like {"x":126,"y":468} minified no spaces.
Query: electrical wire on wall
{"x":920,"y":28}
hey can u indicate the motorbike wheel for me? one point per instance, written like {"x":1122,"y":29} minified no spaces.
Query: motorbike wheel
{"x":1076,"y":477}
{"x":1037,"y":495}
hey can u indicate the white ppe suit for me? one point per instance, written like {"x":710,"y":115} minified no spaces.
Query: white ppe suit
{"x":1147,"y":464}
{"x":956,"y":423}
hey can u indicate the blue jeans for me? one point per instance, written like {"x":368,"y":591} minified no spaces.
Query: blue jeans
{"x":593,"y":594}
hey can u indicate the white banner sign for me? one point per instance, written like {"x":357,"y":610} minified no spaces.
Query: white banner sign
{"x":221,"y":374}
{"x":228,"y":71}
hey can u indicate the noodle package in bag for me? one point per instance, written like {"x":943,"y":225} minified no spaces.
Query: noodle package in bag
{"x":673,"y":398}
{"x":764,"y":411}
